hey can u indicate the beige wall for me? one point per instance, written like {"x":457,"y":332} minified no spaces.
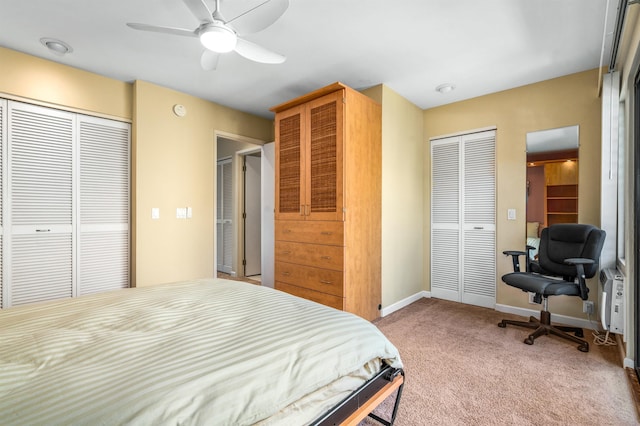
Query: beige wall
{"x":554,"y":103}
{"x":172,"y":158}
{"x":175,"y":167}
{"x":402,"y":196}
{"x":41,"y":81}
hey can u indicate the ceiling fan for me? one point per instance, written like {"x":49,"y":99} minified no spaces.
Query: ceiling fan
{"x":218,"y":35}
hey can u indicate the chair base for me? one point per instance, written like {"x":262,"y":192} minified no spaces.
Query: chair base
{"x":543,"y":326}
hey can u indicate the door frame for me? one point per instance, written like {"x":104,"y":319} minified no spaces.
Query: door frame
{"x":238,"y":247}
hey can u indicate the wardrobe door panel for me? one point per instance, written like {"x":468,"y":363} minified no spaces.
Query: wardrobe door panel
{"x":479,"y":219}
{"x":103,"y":250}
{"x":325,"y":158}
{"x":40,"y":196}
{"x":41,"y":267}
{"x":290,"y":154}
{"x":445,"y":219}
{"x":3,"y":170}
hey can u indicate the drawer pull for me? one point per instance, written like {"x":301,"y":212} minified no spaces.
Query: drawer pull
{"x":286,"y":273}
{"x":325,"y":282}
{"x":326,"y":233}
{"x":286,"y":231}
{"x":286,"y":252}
{"x":43,"y":230}
{"x":326,"y":258}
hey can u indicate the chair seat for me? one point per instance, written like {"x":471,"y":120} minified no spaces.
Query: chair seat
{"x":541,"y":284}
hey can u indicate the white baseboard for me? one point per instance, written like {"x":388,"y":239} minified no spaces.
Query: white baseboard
{"x":560,"y":319}
{"x":628,"y":363}
{"x":404,"y":302}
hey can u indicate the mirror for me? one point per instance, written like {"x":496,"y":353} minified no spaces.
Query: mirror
{"x":552,"y":180}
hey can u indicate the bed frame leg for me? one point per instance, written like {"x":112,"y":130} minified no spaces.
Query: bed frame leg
{"x":395,"y":408}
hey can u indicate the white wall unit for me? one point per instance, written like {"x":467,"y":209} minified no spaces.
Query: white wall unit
{"x":463,"y":249}
{"x":65,"y":204}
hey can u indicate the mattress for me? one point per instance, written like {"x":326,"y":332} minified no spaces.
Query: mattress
{"x":200,"y":352}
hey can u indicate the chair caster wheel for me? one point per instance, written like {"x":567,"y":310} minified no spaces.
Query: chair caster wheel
{"x":528,"y":341}
{"x":502,"y":324}
{"x":583,"y":348}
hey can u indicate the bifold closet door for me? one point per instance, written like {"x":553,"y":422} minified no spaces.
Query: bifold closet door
{"x":3,"y":169}
{"x":463,"y":256}
{"x":478,"y":218}
{"x":64,"y":193}
{"x":445,"y":219}
{"x":103,"y":237}
{"x":224,"y":216}
{"x":40,"y":204}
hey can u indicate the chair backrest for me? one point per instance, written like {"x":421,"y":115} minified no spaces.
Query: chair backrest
{"x":568,"y":240}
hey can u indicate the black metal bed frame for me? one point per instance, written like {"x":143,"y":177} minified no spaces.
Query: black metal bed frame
{"x":353,"y":402}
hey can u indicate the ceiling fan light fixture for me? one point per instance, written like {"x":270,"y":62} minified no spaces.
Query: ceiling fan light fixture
{"x":219,"y":38}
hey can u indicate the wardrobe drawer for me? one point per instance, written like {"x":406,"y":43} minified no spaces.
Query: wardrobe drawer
{"x":310,"y":232}
{"x":315,"y":296}
{"x":320,"y":256}
{"x":323,"y":280}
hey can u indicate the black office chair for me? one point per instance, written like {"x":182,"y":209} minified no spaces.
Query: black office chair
{"x":569,"y":254}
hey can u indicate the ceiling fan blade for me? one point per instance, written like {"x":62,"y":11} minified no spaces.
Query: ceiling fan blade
{"x":199,"y":10}
{"x":164,"y":30}
{"x":258,"y":53}
{"x":209,"y":60}
{"x":257,"y":18}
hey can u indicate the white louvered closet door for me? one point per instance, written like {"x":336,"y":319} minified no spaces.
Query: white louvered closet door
{"x":224,"y":216}
{"x":40,"y":204}
{"x":103,"y":242}
{"x":463,"y":256}
{"x":479,"y":225}
{"x":445,"y":219}
{"x":3,"y":171}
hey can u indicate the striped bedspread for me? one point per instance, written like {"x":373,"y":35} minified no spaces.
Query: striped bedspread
{"x":212,"y":352}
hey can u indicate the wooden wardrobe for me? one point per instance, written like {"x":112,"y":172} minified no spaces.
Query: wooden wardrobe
{"x":328,"y":199}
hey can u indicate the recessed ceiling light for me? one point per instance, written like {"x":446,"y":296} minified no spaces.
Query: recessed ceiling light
{"x":58,"y":47}
{"x":445,"y":88}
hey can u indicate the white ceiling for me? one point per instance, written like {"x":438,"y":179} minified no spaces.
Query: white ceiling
{"x":412,"y":46}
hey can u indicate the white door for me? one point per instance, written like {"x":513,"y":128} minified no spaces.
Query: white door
{"x":479,"y":226}
{"x":3,"y":170}
{"x":103,"y":245}
{"x":445,"y":219}
{"x":224,"y":216}
{"x":268,"y":214}
{"x":40,"y":204}
{"x":252,"y":215}
{"x":463,"y":255}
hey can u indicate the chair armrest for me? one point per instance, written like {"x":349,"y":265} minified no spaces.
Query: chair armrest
{"x":515,"y":254}
{"x":582,"y":281}
{"x":578,"y":261}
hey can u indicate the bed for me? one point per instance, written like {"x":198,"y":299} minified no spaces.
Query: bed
{"x":200,"y":352}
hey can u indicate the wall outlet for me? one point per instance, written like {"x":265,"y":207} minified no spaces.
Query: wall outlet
{"x":531,"y":296}
{"x":587,"y":307}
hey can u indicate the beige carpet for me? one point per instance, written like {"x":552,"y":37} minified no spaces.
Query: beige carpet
{"x":462,"y":369}
{"x":243,"y":279}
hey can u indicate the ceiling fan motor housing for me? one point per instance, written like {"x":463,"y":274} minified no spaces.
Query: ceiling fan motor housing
{"x":218,"y":37}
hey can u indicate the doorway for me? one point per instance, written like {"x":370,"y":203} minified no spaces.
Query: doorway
{"x":237,"y":232}
{"x":251,"y":217}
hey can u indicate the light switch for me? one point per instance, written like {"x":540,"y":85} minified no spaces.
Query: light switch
{"x":511,"y":214}
{"x":155,"y":213}
{"x":189,"y":212}
{"x":181,"y":213}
